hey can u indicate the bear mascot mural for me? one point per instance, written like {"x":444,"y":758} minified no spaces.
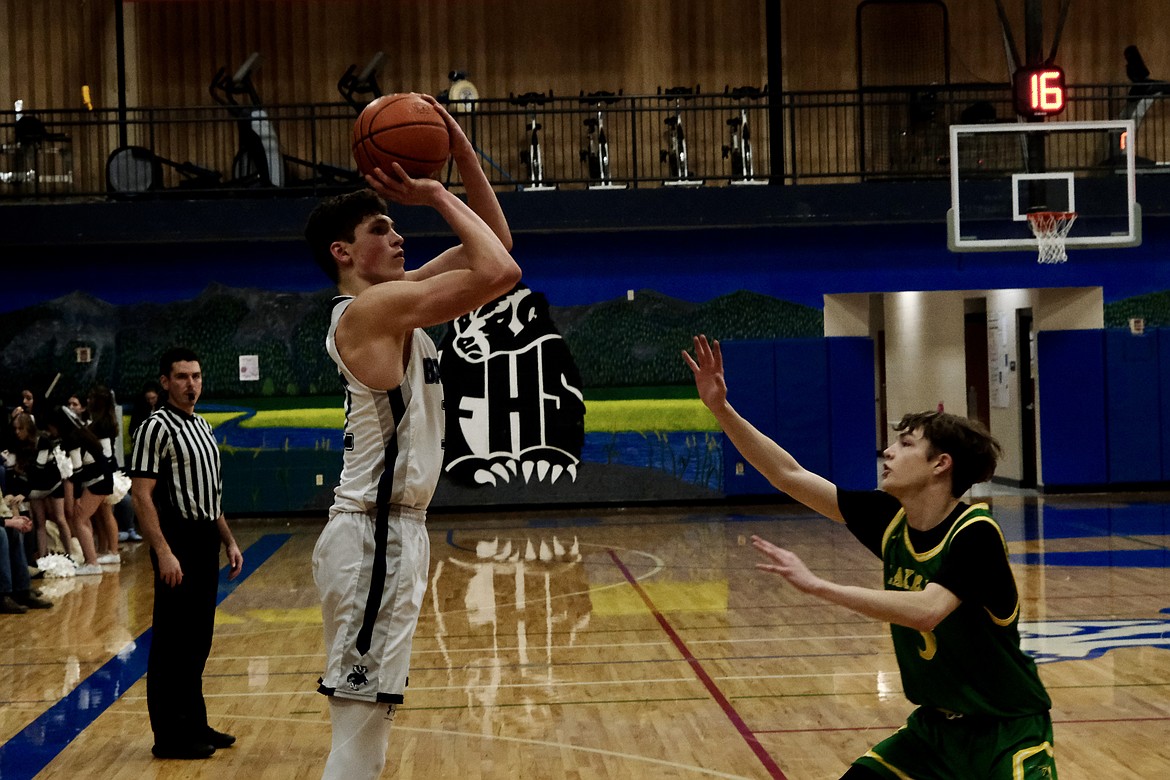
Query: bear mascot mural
{"x":514,"y":406}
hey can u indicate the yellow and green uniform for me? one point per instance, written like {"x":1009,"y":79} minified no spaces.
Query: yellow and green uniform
{"x":983,"y":711}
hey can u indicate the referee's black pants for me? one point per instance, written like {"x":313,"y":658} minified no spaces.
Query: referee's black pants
{"x":184,"y":620}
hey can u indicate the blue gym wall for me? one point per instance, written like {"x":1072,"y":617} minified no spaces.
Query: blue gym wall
{"x":793,"y":263}
{"x":798,"y":264}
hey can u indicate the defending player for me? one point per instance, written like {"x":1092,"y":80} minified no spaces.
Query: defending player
{"x":370,"y":563}
{"x":949,"y":595}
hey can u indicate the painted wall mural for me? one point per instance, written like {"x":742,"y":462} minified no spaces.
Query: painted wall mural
{"x":622,"y":306}
{"x":574,"y":404}
{"x":513,"y":397}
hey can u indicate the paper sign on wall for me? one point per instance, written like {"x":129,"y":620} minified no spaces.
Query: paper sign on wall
{"x":999,"y":360}
{"x":249,"y":368}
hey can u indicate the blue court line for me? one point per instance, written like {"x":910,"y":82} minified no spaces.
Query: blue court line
{"x":31,"y":750}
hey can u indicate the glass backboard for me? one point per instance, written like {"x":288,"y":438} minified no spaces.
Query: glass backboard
{"x":1002,"y":172}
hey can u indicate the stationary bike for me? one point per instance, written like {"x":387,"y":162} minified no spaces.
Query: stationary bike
{"x":675,"y":155}
{"x":595,"y":153}
{"x":531,"y":154}
{"x":739,"y":148}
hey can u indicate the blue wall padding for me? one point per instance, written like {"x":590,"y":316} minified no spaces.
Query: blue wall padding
{"x":853,"y":435}
{"x":1164,"y":395}
{"x":1132,"y":406}
{"x":750,"y":368}
{"x":1073,"y":441}
{"x":802,"y":402}
{"x":812,"y":396}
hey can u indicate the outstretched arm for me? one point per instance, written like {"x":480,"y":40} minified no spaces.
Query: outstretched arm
{"x":772,"y":460}
{"x":480,"y":195}
{"x":921,"y":610}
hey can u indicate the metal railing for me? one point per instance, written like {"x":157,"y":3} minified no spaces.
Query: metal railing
{"x":606,"y":141}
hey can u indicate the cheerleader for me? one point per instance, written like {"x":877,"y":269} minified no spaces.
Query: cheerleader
{"x":94,"y":479}
{"x":40,"y":460}
{"x":96,"y":501}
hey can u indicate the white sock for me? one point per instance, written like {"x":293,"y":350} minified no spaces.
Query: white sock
{"x":361,"y":735}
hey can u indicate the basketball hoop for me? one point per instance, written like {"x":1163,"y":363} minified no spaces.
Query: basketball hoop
{"x":1050,"y":229}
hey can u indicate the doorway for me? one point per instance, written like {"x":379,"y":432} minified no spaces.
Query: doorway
{"x":978,"y":376}
{"x":1024,"y":353}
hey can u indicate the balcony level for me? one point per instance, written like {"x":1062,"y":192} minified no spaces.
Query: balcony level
{"x":607,"y":162}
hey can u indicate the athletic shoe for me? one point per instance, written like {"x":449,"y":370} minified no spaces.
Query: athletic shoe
{"x":108,"y":559}
{"x":133,"y":535}
{"x":123,"y":536}
{"x":88,"y":569}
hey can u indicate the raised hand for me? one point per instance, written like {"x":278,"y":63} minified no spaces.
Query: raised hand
{"x":397,"y":186}
{"x":460,"y":144}
{"x":707,"y":366}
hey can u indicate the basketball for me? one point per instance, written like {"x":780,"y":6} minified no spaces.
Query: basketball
{"x":404,"y":129}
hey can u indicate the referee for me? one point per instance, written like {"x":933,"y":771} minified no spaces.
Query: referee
{"x":176,"y":491}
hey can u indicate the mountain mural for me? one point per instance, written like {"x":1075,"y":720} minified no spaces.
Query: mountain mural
{"x":616,"y":343}
{"x":1154,"y":308}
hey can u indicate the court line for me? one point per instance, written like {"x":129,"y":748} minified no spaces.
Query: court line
{"x":748,"y":736}
{"x":38,"y":743}
{"x":399,"y":727}
{"x":624,"y":684}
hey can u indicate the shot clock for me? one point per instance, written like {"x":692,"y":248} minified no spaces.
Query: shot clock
{"x":1039,"y":90}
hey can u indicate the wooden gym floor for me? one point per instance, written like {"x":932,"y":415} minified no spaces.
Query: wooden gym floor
{"x":618,"y":643}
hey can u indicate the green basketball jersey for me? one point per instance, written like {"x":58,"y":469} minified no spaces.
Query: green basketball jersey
{"x":971,"y":663}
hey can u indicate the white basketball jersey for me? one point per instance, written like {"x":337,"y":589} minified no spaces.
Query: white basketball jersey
{"x":393,"y":438}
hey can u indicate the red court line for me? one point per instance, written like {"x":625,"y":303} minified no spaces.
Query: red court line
{"x":748,"y":736}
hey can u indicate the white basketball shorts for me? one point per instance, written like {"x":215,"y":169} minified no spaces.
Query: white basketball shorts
{"x":371,"y":573}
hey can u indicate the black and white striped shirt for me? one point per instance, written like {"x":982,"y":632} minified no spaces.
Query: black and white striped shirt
{"x":179,"y":450}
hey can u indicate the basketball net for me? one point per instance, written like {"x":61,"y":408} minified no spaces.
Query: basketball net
{"x":1050,"y":229}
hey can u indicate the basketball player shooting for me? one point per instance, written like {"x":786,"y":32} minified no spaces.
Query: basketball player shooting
{"x":372,"y":558}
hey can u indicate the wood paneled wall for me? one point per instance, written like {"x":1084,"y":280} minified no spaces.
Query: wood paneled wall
{"x":536,"y":45}
{"x":51,"y":47}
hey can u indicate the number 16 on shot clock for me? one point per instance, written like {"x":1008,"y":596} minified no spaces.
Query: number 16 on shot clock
{"x":1039,"y":90}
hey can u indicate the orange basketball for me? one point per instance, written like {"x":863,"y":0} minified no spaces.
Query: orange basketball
{"x":404,"y":129}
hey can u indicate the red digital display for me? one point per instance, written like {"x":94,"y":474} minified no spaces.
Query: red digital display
{"x":1039,"y":91}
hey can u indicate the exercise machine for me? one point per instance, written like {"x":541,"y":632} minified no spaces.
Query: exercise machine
{"x":739,"y":147}
{"x":360,"y":89}
{"x":259,"y":161}
{"x":134,"y":170}
{"x":595,"y":152}
{"x":674,"y":156}
{"x":460,"y":99}
{"x":461,"y":95}
{"x":531,"y":155}
{"x":35,"y":147}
